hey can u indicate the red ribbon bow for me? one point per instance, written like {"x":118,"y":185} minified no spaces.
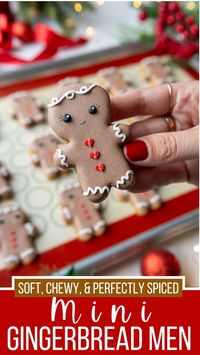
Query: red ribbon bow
{"x":41,"y":34}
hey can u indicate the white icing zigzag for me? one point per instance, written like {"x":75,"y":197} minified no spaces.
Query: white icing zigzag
{"x":124,"y":178}
{"x":95,"y":190}
{"x":62,"y":157}
{"x":70,"y":94}
{"x":118,"y":132}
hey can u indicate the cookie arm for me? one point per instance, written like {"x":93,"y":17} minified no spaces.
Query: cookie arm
{"x":35,"y":159}
{"x":4,"y":171}
{"x":67,"y":215}
{"x":121,"y":132}
{"x":63,"y":156}
{"x":30,"y":229}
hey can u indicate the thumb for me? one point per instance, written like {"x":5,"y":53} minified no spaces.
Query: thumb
{"x":162,"y":148}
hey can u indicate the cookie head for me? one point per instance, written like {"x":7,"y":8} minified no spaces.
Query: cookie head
{"x":79,"y":109}
{"x":12,"y":216}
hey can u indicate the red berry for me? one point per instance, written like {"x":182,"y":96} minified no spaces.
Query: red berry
{"x":173,"y":6}
{"x":170,"y":20}
{"x":190,"y":20}
{"x":194,"y":30}
{"x":4,"y":22}
{"x":180,"y":15}
{"x":143,"y":15}
{"x":23,"y":31}
{"x":186,"y":34}
{"x":179,"y":28}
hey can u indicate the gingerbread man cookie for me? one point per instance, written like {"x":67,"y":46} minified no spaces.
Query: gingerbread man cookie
{"x":42,"y":152}
{"x":15,"y":238}
{"x":142,"y":202}
{"x":80,"y":114}
{"x":5,"y":190}
{"x":114,"y":81}
{"x":26,"y":109}
{"x":155,"y":71}
{"x":78,"y":209}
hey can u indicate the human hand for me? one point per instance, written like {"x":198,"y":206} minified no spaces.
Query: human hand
{"x":160,"y":157}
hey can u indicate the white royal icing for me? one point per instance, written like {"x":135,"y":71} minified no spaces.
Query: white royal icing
{"x":85,"y":231}
{"x":70,"y":94}
{"x":62,"y":157}
{"x":8,"y":209}
{"x":95,"y":190}
{"x":141,"y":204}
{"x":154,"y":198}
{"x":67,"y":214}
{"x":99,"y":224}
{"x":118,"y":132}
{"x":29,"y":228}
{"x":10,"y":259}
{"x":27,"y":252}
{"x":124,"y":178}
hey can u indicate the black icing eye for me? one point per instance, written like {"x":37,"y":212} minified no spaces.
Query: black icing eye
{"x":40,"y":144}
{"x":1,"y":221}
{"x":67,"y":117}
{"x":70,"y":196}
{"x":92,"y":109}
{"x":17,"y":216}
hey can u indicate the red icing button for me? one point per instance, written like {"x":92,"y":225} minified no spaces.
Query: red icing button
{"x":100,"y":167}
{"x":89,"y":142}
{"x":94,"y":155}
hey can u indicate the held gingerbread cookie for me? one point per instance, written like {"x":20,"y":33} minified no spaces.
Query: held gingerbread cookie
{"x":79,"y":210}
{"x":15,"y":238}
{"x":42,"y":151}
{"x":80,"y":115}
{"x":5,"y":190}
{"x":114,"y":81}
{"x":142,"y":202}
{"x":26,"y":109}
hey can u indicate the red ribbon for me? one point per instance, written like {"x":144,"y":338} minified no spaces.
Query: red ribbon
{"x":45,"y":35}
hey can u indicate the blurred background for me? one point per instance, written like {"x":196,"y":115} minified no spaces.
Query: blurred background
{"x":32,"y":31}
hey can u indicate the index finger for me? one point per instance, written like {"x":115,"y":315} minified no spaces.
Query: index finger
{"x":148,"y":101}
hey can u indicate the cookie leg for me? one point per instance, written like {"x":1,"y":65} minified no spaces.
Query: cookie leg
{"x":125,"y":181}
{"x":27,"y":256}
{"x":99,"y":228}
{"x":25,"y":122}
{"x":154,"y":199}
{"x":85,"y":234}
{"x":140,"y":203}
{"x":10,"y":262}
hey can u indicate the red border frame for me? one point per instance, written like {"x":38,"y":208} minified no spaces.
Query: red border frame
{"x":117,"y":232}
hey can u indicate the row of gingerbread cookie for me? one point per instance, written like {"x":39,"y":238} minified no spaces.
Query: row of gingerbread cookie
{"x":30,"y":111}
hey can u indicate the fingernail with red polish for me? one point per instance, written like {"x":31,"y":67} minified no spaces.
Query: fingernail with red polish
{"x":136,"y":151}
